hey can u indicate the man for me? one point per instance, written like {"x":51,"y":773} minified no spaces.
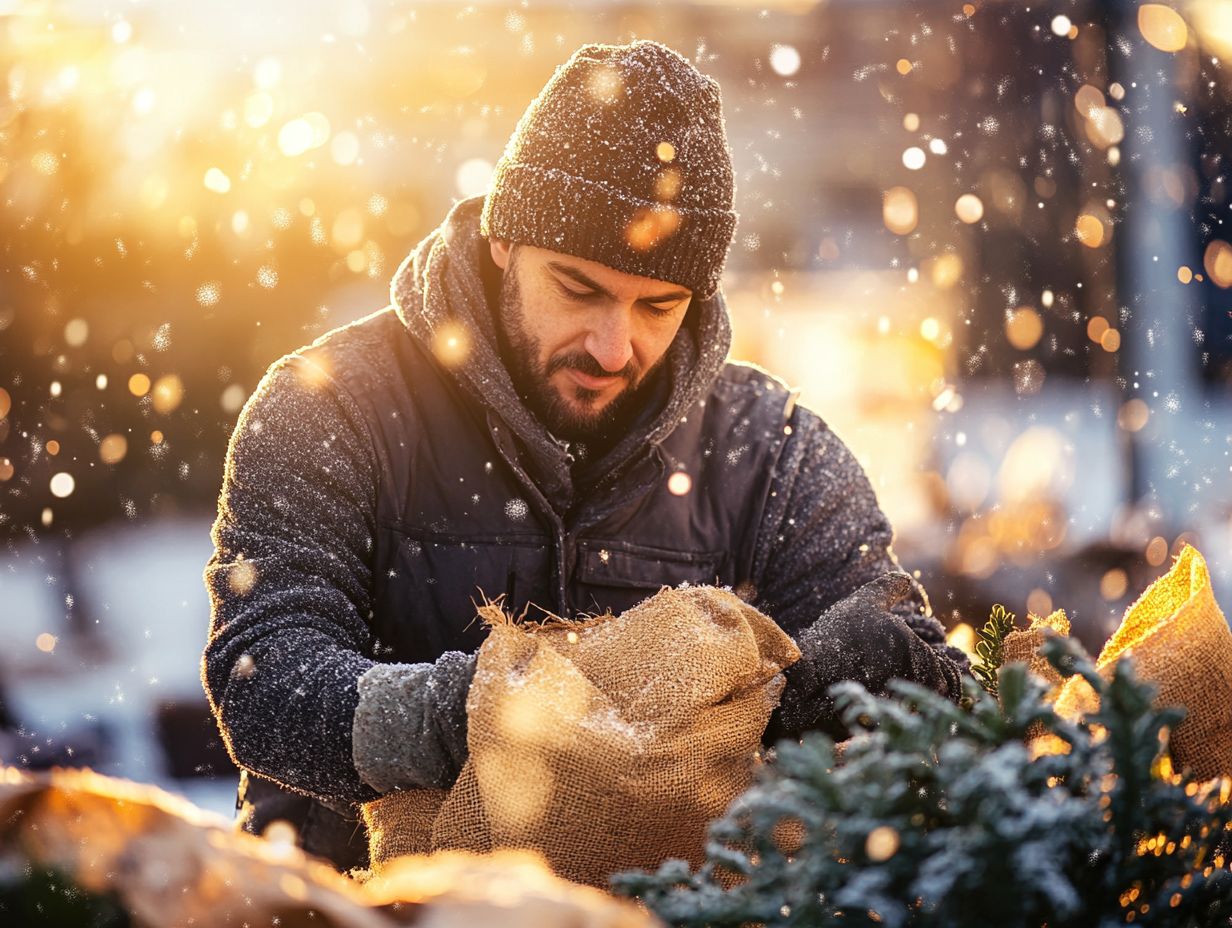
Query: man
{"x":544,"y":413}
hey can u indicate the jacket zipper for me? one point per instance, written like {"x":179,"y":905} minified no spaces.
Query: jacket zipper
{"x":560,"y":554}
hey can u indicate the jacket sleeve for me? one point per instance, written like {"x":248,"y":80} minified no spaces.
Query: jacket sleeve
{"x":290,"y":585}
{"x":823,"y":536}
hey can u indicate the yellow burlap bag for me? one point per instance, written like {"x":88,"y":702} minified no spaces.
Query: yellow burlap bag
{"x":607,"y":744}
{"x":1181,"y":642}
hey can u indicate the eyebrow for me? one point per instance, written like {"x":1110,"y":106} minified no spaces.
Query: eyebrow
{"x":581,"y":278}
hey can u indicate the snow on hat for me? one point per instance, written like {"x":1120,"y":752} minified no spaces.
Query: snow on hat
{"x":621,"y":159}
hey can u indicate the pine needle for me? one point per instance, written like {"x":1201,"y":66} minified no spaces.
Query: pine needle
{"x":989,"y":647}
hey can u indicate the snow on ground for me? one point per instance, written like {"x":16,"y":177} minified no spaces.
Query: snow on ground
{"x":140,"y":596}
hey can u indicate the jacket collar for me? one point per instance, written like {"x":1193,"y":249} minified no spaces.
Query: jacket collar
{"x":438,"y":293}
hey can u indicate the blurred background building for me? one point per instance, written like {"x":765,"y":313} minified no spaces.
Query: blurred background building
{"x":987,"y":240}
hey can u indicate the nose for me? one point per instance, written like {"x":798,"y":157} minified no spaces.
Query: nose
{"x":609,"y":341}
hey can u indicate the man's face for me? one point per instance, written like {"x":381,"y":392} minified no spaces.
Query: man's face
{"x":583,"y":337}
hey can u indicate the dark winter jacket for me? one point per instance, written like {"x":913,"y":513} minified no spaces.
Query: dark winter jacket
{"x":382,"y":479}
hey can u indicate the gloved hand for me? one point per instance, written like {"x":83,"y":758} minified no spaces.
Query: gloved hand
{"x":860,"y":639}
{"x":410,"y":726}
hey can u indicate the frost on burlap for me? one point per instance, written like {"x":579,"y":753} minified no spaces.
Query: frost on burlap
{"x":607,"y":744}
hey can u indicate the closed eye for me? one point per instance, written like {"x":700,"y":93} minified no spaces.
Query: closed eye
{"x":578,"y":296}
{"x":657,"y":310}
{"x":661,"y":312}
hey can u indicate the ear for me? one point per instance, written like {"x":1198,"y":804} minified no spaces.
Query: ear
{"x":500,"y":252}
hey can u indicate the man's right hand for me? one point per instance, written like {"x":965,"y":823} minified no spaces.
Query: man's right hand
{"x":427,"y":701}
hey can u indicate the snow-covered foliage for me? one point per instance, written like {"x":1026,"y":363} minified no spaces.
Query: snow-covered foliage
{"x":942,"y":815}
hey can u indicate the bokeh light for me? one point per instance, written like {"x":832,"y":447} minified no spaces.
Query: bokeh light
{"x":784,"y":60}
{"x":1163,"y":27}
{"x":969,"y":208}
{"x":900,"y":210}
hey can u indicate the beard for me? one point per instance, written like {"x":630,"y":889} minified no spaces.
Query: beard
{"x":576,"y":418}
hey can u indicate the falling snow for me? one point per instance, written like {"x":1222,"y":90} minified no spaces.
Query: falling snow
{"x":979,"y":259}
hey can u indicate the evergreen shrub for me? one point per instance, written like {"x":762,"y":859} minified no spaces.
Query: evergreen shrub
{"x":942,"y":814}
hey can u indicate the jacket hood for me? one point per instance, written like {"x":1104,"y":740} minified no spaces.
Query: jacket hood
{"x":438,"y":294}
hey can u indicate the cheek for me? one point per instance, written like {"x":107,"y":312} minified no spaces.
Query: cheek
{"x":545,"y":324}
{"x":654,"y":344}
{"x":558,"y":333}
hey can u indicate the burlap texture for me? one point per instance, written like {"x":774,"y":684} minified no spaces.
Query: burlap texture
{"x":1022,"y":644}
{"x":608,"y":744}
{"x":1181,"y":642}
{"x":407,"y":832}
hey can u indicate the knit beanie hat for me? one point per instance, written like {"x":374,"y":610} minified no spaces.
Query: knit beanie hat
{"x":621,"y":159}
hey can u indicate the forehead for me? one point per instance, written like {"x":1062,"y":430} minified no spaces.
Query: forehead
{"x":610,"y":279}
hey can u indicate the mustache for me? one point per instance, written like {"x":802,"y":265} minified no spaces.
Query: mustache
{"x":582,"y":361}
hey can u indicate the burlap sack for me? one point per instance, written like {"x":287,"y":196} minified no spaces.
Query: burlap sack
{"x":607,"y":744}
{"x":1181,"y":642}
{"x":1022,"y":644}
{"x":402,"y":823}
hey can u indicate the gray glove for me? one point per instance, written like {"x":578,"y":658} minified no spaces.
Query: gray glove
{"x":860,"y":639}
{"x":409,"y":729}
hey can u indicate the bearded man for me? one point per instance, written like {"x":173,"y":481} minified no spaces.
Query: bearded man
{"x":545,"y":412}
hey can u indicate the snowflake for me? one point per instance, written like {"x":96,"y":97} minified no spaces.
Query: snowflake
{"x":162,"y":338}
{"x":208,"y":294}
